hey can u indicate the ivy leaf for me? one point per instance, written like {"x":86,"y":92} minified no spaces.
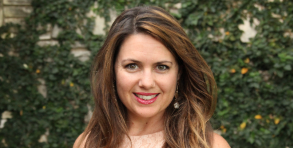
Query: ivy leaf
{"x":288,"y":67}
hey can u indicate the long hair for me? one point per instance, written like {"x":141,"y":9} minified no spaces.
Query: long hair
{"x":186,"y":127}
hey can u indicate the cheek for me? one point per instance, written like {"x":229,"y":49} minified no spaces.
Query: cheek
{"x":168,"y":84}
{"x":124,"y":83}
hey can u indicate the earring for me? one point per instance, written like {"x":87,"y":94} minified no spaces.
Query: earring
{"x":176,"y":104}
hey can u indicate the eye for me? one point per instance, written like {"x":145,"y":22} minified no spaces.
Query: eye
{"x":162,"y":67}
{"x":131,"y":66}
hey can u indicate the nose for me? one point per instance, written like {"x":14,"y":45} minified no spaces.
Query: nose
{"x":147,"y":80}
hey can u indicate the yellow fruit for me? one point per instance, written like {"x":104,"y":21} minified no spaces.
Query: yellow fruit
{"x":243,"y":125}
{"x":244,"y":70}
{"x":258,"y":117}
{"x":277,"y":120}
{"x":224,"y":130}
{"x":246,"y":60}
{"x":268,"y":121}
{"x":232,"y":71}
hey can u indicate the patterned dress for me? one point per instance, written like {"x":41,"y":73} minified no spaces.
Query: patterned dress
{"x":155,"y":140}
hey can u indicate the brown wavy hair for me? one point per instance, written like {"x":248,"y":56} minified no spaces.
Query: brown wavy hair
{"x":186,"y":127}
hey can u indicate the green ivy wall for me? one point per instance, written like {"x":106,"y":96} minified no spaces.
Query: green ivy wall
{"x":45,"y":89}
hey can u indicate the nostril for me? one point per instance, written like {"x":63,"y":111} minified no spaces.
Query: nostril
{"x":148,"y":83}
{"x":147,"y":80}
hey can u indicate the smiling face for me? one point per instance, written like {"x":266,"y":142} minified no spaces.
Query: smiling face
{"x":146,"y":76}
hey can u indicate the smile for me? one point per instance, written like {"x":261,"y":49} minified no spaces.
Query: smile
{"x":146,"y":98}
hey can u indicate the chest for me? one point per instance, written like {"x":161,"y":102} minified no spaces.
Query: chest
{"x":155,"y":140}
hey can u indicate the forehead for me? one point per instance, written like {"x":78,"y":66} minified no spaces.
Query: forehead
{"x":143,"y":46}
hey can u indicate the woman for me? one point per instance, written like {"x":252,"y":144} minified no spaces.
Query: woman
{"x":151,"y":87}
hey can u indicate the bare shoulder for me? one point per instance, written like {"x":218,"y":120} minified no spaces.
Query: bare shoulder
{"x":80,"y":141}
{"x":219,"y":142}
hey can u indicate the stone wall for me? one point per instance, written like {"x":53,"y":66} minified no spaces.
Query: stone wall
{"x":14,"y":11}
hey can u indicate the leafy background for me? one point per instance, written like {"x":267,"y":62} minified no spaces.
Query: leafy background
{"x":254,"y":77}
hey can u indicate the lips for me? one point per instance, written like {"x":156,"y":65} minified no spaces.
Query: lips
{"x":146,"y":98}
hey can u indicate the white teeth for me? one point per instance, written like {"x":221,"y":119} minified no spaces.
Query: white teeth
{"x":146,"y":97}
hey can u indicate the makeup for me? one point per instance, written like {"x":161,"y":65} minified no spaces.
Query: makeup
{"x":146,"y":98}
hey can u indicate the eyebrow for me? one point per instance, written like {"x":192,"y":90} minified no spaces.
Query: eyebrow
{"x":136,"y":61}
{"x":132,"y":60}
{"x":164,"y":62}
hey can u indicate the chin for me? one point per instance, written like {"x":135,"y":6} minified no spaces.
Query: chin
{"x":148,"y":112}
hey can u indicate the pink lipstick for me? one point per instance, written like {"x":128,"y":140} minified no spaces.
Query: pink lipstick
{"x":144,"y":101}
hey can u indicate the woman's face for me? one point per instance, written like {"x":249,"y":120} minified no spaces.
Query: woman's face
{"x":146,"y":76}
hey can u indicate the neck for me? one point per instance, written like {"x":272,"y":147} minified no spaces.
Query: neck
{"x":143,"y":126}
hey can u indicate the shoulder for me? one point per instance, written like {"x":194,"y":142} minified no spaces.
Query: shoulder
{"x":219,"y":142}
{"x":80,"y":141}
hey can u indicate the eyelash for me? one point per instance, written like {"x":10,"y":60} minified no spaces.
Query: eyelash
{"x":157,"y":67}
{"x":132,"y":64}
{"x":165,"y":67}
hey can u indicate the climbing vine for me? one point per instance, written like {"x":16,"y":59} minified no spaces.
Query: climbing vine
{"x":253,"y":76}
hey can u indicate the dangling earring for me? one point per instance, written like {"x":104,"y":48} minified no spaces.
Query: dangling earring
{"x":176,"y":104}
{"x":114,"y":88}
